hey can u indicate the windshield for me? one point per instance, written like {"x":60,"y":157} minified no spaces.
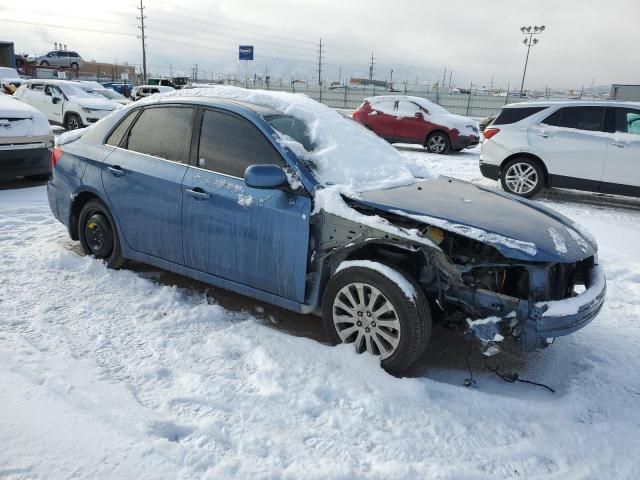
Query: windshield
{"x":73,"y":90}
{"x":293,"y":128}
{"x":112,"y":95}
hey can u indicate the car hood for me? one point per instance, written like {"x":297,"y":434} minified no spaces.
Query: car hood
{"x":463,"y":124}
{"x":517,"y":228}
{"x":94,"y":103}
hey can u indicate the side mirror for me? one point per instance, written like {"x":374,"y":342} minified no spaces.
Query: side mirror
{"x":264,"y":176}
{"x":419,"y":115}
{"x":55,"y":100}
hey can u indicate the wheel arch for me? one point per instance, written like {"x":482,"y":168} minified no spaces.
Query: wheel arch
{"x":529,"y":156}
{"x":437,"y":130}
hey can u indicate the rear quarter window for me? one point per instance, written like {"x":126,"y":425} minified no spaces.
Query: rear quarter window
{"x":515,"y":114}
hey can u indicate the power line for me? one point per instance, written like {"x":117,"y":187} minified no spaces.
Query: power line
{"x":144,"y":48}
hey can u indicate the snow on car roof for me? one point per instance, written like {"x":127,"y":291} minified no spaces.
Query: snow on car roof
{"x":423,"y":102}
{"x":346,"y":153}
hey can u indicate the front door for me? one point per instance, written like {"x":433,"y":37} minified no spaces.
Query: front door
{"x":143,"y":180}
{"x":52,"y":103}
{"x":573,"y":146}
{"x":411,"y":125}
{"x":254,"y":237}
{"x":622,"y":168}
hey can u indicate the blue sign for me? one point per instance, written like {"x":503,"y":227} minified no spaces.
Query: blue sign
{"x":245,"y":52}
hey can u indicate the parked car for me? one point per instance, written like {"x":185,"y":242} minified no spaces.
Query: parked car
{"x":245,"y":196}
{"x":591,"y":146}
{"x":65,"y":103}
{"x":165,"y":82}
{"x":142,"y":91}
{"x":405,"y":119}
{"x":9,"y":77}
{"x":26,"y":140}
{"x":60,"y":58}
{"x":108,"y":93}
{"x":123,"y":89}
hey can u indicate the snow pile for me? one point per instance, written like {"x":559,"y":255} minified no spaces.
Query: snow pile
{"x":346,"y":153}
{"x":474,"y":233}
{"x":558,"y":240}
{"x":31,"y":121}
{"x":407,"y":287}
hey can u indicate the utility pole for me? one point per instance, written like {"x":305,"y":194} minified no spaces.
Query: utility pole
{"x":371,"y":67}
{"x":450,"y":75}
{"x":391,"y":80}
{"x":196,"y":73}
{"x":444,"y":76}
{"x":529,"y":42}
{"x":320,"y":63}
{"x":171,"y":70}
{"x":144,"y":47}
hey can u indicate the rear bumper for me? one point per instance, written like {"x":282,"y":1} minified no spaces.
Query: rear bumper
{"x":24,"y":160}
{"x":465,"y":141}
{"x":490,"y":171}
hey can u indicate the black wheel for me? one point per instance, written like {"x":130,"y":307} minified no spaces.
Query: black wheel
{"x":438,"y":142}
{"x":98,"y":234}
{"x":522,"y":176}
{"x":74,"y":65}
{"x":367,"y":308}
{"x":44,"y":63}
{"x":72,"y":122}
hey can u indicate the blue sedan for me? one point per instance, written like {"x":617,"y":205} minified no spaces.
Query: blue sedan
{"x":211,"y":188}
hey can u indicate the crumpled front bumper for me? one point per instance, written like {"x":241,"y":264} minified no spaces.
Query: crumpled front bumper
{"x":540,"y":328}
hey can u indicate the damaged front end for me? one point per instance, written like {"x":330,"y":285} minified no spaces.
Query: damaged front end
{"x":476,"y":285}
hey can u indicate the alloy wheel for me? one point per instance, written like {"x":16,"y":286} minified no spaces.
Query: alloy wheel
{"x":521,"y":178}
{"x":73,"y":124}
{"x":363,"y":315}
{"x":437,"y":144}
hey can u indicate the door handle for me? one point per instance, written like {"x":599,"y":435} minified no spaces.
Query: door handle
{"x":543,"y":134}
{"x":116,"y":171}
{"x":198,"y":193}
{"x":619,"y":144}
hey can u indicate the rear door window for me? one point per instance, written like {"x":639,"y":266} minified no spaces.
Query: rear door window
{"x":115,"y":138}
{"x":163,"y":132}
{"x":515,"y":114}
{"x":385,"y":106}
{"x":580,"y":118}
{"x":229,"y":144}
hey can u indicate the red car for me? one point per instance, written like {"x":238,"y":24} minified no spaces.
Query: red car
{"x":404,"y":119}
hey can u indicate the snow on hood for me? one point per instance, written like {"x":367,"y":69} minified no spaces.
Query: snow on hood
{"x":93,"y":102}
{"x":346,"y":154}
{"x":32,"y":123}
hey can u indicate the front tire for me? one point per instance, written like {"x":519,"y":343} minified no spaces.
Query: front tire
{"x":44,"y":63}
{"x":72,"y":122}
{"x":438,"y":142}
{"x":523,"y":177}
{"x":365,"y":307}
{"x":98,"y":234}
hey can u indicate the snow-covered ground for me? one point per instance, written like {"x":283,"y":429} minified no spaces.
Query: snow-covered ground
{"x":120,"y":375}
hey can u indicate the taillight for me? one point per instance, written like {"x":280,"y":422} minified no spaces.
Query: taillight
{"x":55,"y":155}
{"x":490,"y":132}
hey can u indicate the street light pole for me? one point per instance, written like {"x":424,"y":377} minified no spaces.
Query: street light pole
{"x":529,"y":42}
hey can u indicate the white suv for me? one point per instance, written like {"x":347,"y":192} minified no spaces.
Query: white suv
{"x":593,"y":146}
{"x":65,"y":103}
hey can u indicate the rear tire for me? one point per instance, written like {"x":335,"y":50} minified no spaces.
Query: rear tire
{"x":407,"y":322}
{"x":74,"y":65}
{"x":438,"y":142}
{"x":523,"y":177}
{"x":98,"y":234}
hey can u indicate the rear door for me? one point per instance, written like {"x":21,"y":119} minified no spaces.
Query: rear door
{"x":254,"y":237}
{"x":411,"y":124}
{"x":622,"y":167}
{"x":572,"y":143}
{"x":382,"y":118}
{"x":143,"y":178}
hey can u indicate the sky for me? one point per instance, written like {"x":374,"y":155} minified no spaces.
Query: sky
{"x":477,"y":43}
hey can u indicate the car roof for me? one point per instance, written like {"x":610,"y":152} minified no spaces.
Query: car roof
{"x":209,"y":101}
{"x":573,"y":103}
{"x":52,"y":81}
